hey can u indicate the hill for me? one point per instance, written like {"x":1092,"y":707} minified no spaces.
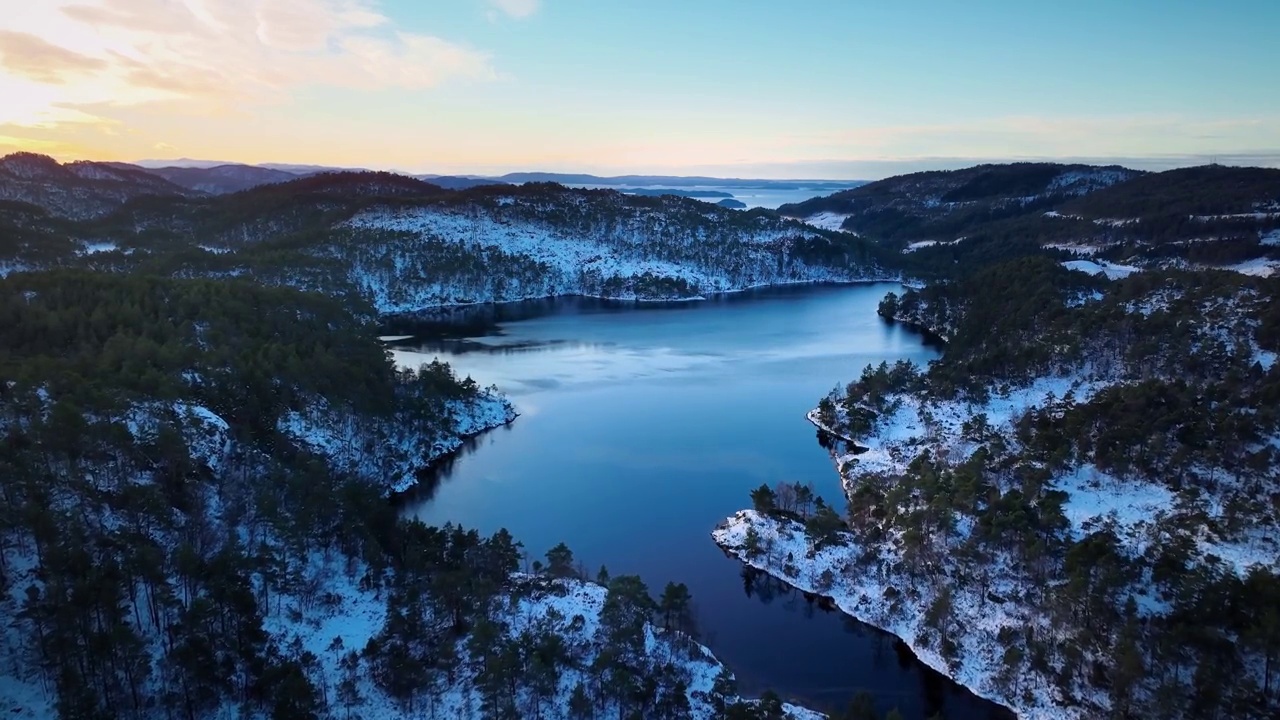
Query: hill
{"x":406,"y":245}
{"x":1073,"y":511}
{"x":948,"y":223}
{"x":935,"y":205}
{"x":77,"y":190}
{"x":219,"y":179}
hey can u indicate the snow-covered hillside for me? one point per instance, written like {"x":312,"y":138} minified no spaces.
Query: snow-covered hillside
{"x":392,"y":453}
{"x":1089,"y":473}
{"x":353,"y":615}
{"x":986,"y":189}
{"x":517,"y":249}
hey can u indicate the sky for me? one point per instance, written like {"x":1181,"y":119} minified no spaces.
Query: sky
{"x":745,"y":88}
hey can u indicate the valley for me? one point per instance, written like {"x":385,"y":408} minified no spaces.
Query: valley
{"x":1069,"y":509}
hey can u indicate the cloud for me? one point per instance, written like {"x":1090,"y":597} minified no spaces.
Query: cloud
{"x":37,"y":59}
{"x":516,"y":8}
{"x":219,"y":54}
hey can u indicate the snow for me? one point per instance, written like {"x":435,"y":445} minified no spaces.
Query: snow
{"x":1265,"y":358}
{"x":391,"y":453}
{"x":920,"y":244}
{"x":1258,"y":267}
{"x":936,"y":425}
{"x":1270,"y":238}
{"x":1080,"y":182}
{"x":207,"y":435}
{"x":1095,"y":496}
{"x":826,"y":220}
{"x":394,"y":338}
{"x":22,"y":696}
{"x":1237,"y":216}
{"x":1090,"y":249}
{"x":864,"y":594}
{"x":1158,"y":301}
{"x":94,"y":248}
{"x":1101,"y":267}
{"x":346,"y":616}
{"x":624,"y":258}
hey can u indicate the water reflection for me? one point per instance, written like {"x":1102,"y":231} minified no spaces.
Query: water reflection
{"x":887,"y":650}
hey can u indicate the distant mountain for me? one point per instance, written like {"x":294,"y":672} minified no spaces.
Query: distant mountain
{"x":677,"y":181}
{"x":297,"y":169}
{"x":180,"y":162}
{"x":80,"y":189}
{"x":657,"y":192}
{"x":218,"y":179}
{"x":457,"y":182}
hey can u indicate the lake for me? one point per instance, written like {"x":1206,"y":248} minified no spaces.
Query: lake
{"x":769,"y":196}
{"x":644,"y":425}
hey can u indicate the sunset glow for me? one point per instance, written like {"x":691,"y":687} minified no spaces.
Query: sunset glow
{"x":495,"y":85}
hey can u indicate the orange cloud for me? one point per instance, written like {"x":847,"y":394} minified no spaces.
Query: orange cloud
{"x":77,"y":57}
{"x":37,"y":59}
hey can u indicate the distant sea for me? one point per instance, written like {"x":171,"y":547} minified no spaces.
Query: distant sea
{"x":765,"y":197}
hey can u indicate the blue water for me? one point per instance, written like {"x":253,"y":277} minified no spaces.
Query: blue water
{"x":645,"y":425}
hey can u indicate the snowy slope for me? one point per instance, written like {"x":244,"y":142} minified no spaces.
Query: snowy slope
{"x":878,"y":598}
{"x":1100,"y":267}
{"x":392,"y":454}
{"x":513,"y":250}
{"x":352,"y":616}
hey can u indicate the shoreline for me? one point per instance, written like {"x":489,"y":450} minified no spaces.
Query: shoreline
{"x":812,"y":417}
{"x":725,"y":536}
{"x":930,"y":334}
{"x":420,"y":313}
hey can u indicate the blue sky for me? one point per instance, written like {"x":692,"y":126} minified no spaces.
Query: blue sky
{"x":752,"y":87}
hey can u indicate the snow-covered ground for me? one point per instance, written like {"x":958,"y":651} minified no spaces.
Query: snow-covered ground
{"x":936,"y":425}
{"x":1079,"y":249}
{"x":1258,"y":267}
{"x":1238,"y":216}
{"x":1101,"y":267}
{"x":921,"y":244}
{"x":207,"y":435}
{"x":649,"y":256}
{"x":391,"y":454}
{"x":349,"y":616}
{"x":1270,"y":238}
{"x":94,"y":248}
{"x":826,"y":220}
{"x":882,"y":597}
{"x":874,"y":584}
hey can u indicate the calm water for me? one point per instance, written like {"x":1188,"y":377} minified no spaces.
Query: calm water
{"x":753,"y":197}
{"x":645,"y":425}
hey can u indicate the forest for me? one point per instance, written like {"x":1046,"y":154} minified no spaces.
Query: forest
{"x":169,"y":551}
{"x":1093,"y":461}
